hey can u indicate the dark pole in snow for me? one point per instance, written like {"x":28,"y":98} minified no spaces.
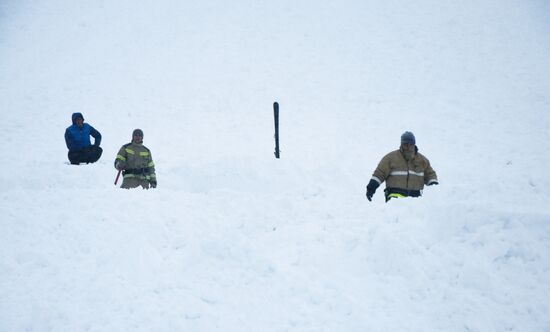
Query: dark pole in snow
{"x":276,"y":116}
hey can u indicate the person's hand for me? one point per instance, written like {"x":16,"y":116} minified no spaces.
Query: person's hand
{"x":371,"y":189}
{"x":153,"y":183}
{"x":119,"y":166}
{"x":369,"y":194}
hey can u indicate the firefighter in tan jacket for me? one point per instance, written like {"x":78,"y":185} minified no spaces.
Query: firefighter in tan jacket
{"x":405,"y":171}
{"x":136,"y":163}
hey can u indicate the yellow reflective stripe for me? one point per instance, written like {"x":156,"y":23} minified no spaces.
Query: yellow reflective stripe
{"x":130,"y":151}
{"x":120,"y":157}
{"x":151,"y":164}
{"x":129,"y":175}
{"x":144,"y":154}
{"x":396,"y":196}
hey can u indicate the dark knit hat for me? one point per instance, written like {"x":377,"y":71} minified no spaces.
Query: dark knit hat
{"x":408,"y":138}
{"x":137,"y":132}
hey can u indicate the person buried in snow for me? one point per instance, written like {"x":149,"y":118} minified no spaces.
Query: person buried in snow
{"x":136,"y":163}
{"x":405,"y":171}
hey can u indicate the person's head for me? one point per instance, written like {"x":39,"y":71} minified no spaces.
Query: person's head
{"x":78,"y":119}
{"x":408,"y":144}
{"x":137,"y":136}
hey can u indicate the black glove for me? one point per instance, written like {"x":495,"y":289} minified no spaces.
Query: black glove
{"x":433,"y":183}
{"x":153,"y":183}
{"x":369,"y":194}
{"x":371,"y":189}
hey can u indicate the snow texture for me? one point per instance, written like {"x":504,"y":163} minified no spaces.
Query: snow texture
{"x":236,"y":240}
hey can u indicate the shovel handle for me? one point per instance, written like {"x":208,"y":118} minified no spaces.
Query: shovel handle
{"x":117,"y":176}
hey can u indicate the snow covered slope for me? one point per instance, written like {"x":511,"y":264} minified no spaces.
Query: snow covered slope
{"x":235,"y":240}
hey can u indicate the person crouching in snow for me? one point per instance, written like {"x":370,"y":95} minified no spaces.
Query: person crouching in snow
{"x":405,"y":171}
{"x":77,"y":138}
{"x":136,"y":163}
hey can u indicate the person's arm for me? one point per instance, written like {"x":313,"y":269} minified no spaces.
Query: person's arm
{"x":380,"y":174}
{"x":120,"y":160}
{"x":430,"y":177}
{"x":69,"y":140}
{"x":96,"y":135}
{"x":152,"y":175}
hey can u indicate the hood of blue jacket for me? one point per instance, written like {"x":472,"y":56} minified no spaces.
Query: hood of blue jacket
{"x":75,"y":116}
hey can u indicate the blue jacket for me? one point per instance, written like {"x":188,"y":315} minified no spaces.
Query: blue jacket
{"x":78,"y":138}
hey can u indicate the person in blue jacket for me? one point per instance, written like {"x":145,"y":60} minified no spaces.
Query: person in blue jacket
{"x":77,"y":137}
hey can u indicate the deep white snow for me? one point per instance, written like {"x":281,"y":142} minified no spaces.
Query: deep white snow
{"x":235,"y":240}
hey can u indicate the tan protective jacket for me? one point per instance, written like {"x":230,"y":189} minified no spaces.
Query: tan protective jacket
{"x":403,"y":174}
